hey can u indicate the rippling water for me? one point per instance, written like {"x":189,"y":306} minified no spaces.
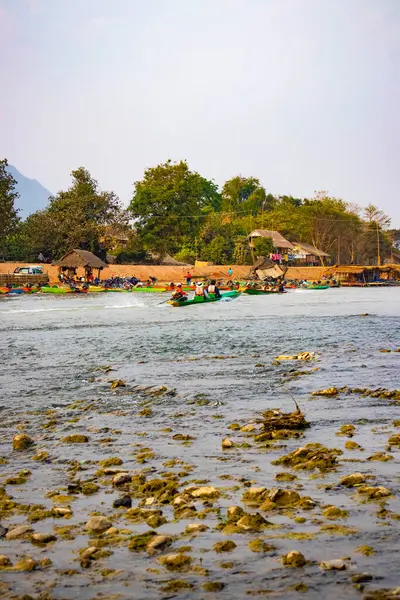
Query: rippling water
{"x":51,"y":347}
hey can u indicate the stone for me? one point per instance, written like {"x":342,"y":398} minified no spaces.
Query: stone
{"x":333,"y":565}
{"x":196,"y":528}
{"x":89,"y":552}
{"x":374,"y":493}
{"x":98,"y":524}
{"x":350,"y":445}
{"x":294,"y":559}
{"x":253,"y":522}
{"x":43,"y":538}
{"x":394,"y":440}
{"x":122,"y":478}
{"x":88,"y":489}
{"x":22,"y":441}
{"x":284,"y":497}
{"x":353,"y":479}
{"x":75,"y":438}
{"x":234,"y":513}
{"x":227,"y":443}
{"x":213,"y":586}
{"x":112,"y":461}
{"x":26,"y":564}
{"x":207,"y":491}
{"x":45,"y":562}
{"x":155,"y":521}
{"x":176,"y":562}
{"x":332,"y":391}
{"x":124,"y":502}
{"x":333,"y":512}
{"x":159,"y":542}
{"x":5,"y":561}
{"x":254,"y":496}
{"x":3,"y":531}
{"x":61,"y":511}
{"x":19,"y":532}
{"x":260,"y":546}
{"x":361,"y":578}
{"x":225,"y":546}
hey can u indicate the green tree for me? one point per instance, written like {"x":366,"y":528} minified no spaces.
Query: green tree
{"x":8,"y":213}
{"x":244,"y":194}
{"x":169,"y":204}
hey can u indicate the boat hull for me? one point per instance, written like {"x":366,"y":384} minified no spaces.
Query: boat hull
{"x":201,"y":300}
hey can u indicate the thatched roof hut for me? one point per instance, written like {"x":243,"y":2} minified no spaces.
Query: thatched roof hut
{"x":80,"y":258}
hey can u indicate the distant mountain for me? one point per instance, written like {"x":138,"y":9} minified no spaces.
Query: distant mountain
{"x":33,"y":196}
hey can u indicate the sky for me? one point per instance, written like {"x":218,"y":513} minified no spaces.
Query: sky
{"x":303,"y":94}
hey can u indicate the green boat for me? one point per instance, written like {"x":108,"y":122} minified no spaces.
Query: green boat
{"x":61,"y":290}
{"x":316,"y":287}
{"x":203,"y":300}
{"x":258,"y":292}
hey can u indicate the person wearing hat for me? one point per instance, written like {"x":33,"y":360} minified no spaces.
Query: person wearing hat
{"x":200,"y":292}
{"x":179,"y":294}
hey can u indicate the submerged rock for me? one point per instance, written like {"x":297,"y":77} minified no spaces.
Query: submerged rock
{"x":333,"y":565}
{"x":332,"y":391}
{"x":22,"y":441}
{"x":294,"y":559}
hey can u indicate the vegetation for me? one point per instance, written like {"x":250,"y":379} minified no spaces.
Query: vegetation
{"x":177,"y":211}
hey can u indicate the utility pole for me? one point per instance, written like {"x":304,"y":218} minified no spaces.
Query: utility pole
{"x":338,"y":250}
{"x":379,"y":243}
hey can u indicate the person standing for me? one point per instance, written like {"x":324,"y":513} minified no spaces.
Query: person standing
{"x":230,"y":272}
{"x":188,"y":278}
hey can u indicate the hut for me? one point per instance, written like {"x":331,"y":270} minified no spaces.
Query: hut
{"x":309,"y":255}
{"x":75,"y":259}
{"x":281,"y":245}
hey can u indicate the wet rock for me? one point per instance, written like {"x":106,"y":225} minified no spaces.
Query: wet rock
{"x":124,"y":502}
{"x":207,"y":491}
{"x":122,"y":478}
{"x":227,"y":443}
{"x":43,"y":538}
{"x":22,"y":531}
{"x":254,"y":522}
{"x":352,"y":446}
{"x":98,"y":524}
{"x":380,"y":456}
{"x":139,"y":542}
{"x":394,"y":440}
{"x":75,"y":438}
{"x":282,"y":497}
{"x":196,"y":528}
{"x":225,"y":546}
{"x":347,"y":430}
{"x":275,"y":421}
{"x":285,"y":477}
{"x":175,"y":585}
{"x":176,"y":562}
{"x":90,"y":488}
{"x":311,"y":456}
{"x":45,"y":562}
{"x":294,"y":559}
{"x":62,"y":511}
{"x":156,"y":521}
{"x":234,"y":513}
{"x":26,"y":564}
{"x":234,"y":426}
{"x":22,"y":441}
{"x":333,"y":565}
{"x":110,"y":462}
{"x":41,"y":456}
{"x":213,"y":586}
{"x":374,"y":493}
{"x":332,"y":391}
{"x":260,"y":546}
{"x":5,"y":561}
{"x":333,"y":512}
{"x":3,"y":531}
{"x":353,"y":480}
{"x":254,"y":496}
{"x":248,"y":428}
{"x":89,"y":553}
{"x":361,"y":578}
{"x":159,"y":542}
{"x":365,"y":550}
{"x":301,"y":356}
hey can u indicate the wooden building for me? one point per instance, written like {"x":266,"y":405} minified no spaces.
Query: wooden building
{"x":75,"y":259}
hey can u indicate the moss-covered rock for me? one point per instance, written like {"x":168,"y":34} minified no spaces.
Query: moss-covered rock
{"x":176,"y":562}
{"x":22,"y":441}
{"x":75,"y":438}
{"x":294,"y":559}
{"x":224,"y":546}
{"x":311,"y":456}
{"x":139,"y":543}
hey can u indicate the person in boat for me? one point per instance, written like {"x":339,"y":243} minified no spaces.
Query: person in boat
{"x":179,"y":294}
{"x":213,"y":289}
{"x":171,"y":286}
{"x":200,"y":292}
{"x":281,"y":287}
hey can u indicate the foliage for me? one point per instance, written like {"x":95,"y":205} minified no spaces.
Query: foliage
{"x":263,"y":246}
{"x":8,"y":213}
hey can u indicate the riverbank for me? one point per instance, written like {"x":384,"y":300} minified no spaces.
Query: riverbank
{"x":166,"y":274}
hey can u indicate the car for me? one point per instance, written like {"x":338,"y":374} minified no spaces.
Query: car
{"x":33,"y":270}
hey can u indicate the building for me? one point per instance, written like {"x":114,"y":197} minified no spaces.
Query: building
{"x":309,"y":255}
{"x":75,"y":259}
{"x":281,"y":245}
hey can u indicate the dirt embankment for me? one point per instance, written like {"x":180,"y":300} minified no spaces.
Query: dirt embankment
{"x":166,"y":274}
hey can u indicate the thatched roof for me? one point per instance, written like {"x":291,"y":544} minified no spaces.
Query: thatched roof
{"x":278,"y":240}
{"x":80,"y":258}
{"x":308,"y":249}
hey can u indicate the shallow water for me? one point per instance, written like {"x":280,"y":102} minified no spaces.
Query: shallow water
{"x":50,"y":355}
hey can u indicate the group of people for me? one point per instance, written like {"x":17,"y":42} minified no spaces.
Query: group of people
{"x":200,"y":291}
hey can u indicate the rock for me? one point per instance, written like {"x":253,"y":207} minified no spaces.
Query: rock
{"x":122,"y":478}
{"x":394,"y":440}
{"x":332,"y":391}
{"x":125,"y":502}
{"x":155,"y":521}
{"x":213,"y":586}
{"x":196,"y":528}
{"x":361,"y":578}
{"x":112,"y":461}
{"x":89,"y":552}
{"x":3,"y":531}
{"x":284,"y":497}
{"x":227,"y":443}
{"x":234,"y":513}
{"x":350,"y":445}
{"x":207,"y":491}
{"x":111,"y":531}
{"x":5,"y":561}
{"x":62,"y":511}
{"x":347,"y":430}
{"x":248,"y":428}
{"x":252,"y":522}
{"x":225,"y":546}
{"x":366,"y":550}
{"x":333,"y":512}
{"x":75,"y":438}
{"x":22,"y":441}
{"x":352,"y":480}
{"x":45,"y":562}
{"x":374,"y":493}
{"x":294,"y":559}
{"x":380,"y":456}
{"x":19,"y":532}
{"x":98,"y":524}
{"x":260,"y":546}
{"x":140,"y":541}
{"x":333,"y":565}
{"x":26,"y":564}
{"x":43,"y":538}
{"x":176,"y":562}
{"x":285,"y":477}
{"x":90,"y":488}
{"x":309,"y":457}
{"x":159,"y":542}
{"x":254,"y":496}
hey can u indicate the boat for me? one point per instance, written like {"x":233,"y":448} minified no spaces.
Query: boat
{"x":259,"y":292}
{"x":61,"y":290}
{"x":316,"y":287}
{"x":158,"y":290}
{"x":202,"y":300}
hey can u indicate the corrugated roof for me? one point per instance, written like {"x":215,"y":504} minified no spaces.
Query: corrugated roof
{"x":278,"y":240}
{"x":308,"y":249}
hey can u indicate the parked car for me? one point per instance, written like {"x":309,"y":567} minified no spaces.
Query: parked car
{"x":34,"y":270}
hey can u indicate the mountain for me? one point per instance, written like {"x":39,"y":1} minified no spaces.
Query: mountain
{"x":33,"y":196}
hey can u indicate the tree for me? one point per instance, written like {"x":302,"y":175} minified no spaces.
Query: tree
{"x":8,"y":213}
{"x":169,"y":205}
{"x":244,"y":195}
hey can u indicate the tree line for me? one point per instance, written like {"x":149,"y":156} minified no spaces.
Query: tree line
{"x":176,"y":211}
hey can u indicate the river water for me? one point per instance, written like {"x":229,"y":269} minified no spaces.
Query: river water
{"x":219,"y":360}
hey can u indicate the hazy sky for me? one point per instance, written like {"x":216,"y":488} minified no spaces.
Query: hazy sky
{"x":303,"y":94}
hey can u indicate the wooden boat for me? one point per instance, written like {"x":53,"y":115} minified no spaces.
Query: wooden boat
{"x":316,"y":287}
{"x":259,"y":292}
{"x":61,"y":290}
{"x":202,"y":300}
